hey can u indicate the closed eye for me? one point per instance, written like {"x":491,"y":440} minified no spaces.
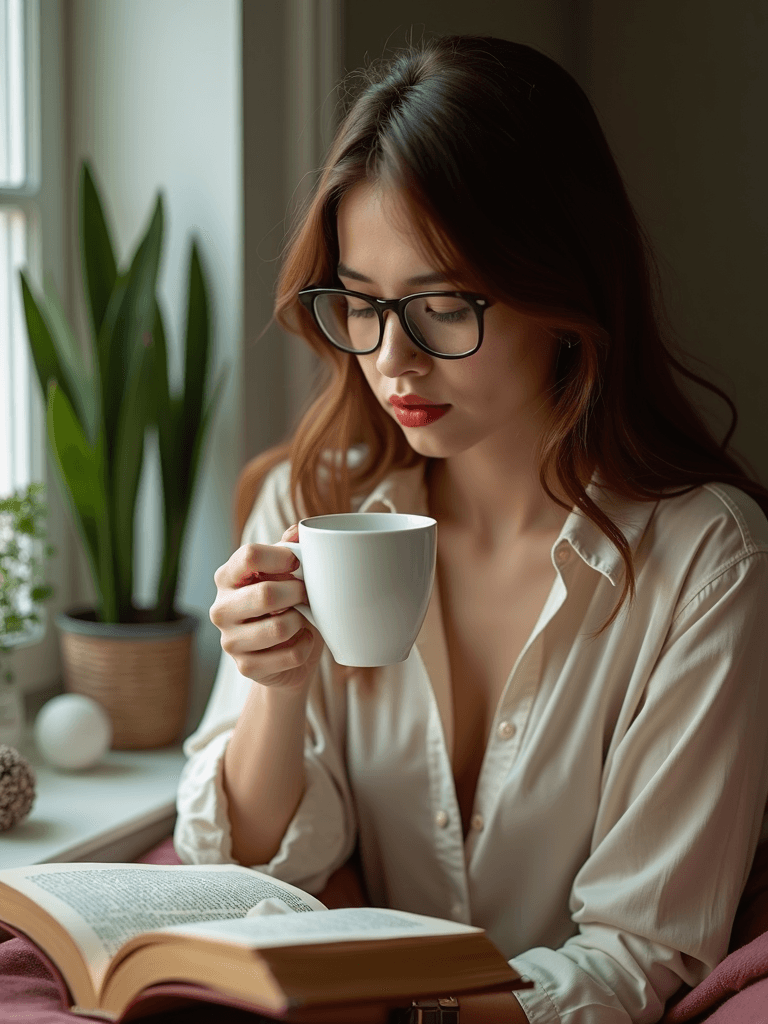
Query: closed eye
{"x":361,"y":311}
{"x":455,"y":316}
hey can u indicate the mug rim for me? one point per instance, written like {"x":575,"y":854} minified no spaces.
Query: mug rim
{"x":425,"y":522}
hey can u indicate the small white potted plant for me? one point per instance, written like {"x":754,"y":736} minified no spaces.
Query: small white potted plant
{"x":23,"y":554}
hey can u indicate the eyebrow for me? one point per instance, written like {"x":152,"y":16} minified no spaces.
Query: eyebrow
{"x":434,"y":277}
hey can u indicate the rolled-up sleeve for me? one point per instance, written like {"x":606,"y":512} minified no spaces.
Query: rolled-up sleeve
{"x":680,"y":814}
{"x":321,"y":835}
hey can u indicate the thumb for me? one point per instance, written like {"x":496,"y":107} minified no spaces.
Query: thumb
{"x":292,"y":533}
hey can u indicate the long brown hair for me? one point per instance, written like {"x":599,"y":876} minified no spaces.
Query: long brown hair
{"x":508,"y":177}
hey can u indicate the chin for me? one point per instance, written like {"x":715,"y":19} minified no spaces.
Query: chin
{"x":430,"y":447}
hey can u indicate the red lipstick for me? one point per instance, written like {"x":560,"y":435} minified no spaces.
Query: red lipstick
{"x":414,"y":411}
{"x":410,"y":399}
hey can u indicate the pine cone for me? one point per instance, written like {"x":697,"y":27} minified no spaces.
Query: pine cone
{"x":17,"y":787}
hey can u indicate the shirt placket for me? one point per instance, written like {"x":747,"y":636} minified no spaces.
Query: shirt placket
{"x":513,"y":712}
{"x":446,"y":818}
{"x":503,"y":746}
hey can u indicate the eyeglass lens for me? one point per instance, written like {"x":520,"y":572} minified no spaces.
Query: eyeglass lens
{"x":443,"y":323}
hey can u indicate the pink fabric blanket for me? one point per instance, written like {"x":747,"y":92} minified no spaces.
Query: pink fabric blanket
{"x":736,"y":992}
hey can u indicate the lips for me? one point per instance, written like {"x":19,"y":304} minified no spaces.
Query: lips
{"x":409,"y":401}
{"x":415,"y":411}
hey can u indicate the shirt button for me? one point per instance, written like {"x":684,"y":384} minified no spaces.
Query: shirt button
{"x":562,"y":555}
{"x":441,"y":819}
{"x":477,"y":822}
{"x":457,"y":910}
{"x":506,"y":730}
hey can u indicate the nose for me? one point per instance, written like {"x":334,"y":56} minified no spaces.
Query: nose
{"x":398,"y":354}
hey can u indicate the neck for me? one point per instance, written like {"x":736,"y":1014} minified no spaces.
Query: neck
{"x":493,"y":492}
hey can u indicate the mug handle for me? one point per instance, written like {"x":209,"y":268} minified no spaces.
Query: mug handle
{"x":299,"y":574}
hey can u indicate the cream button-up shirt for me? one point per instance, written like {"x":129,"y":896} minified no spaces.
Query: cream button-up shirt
{"x":622,"y":790}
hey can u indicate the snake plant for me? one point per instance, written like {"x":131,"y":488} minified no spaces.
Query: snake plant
{"x":99,"y":410}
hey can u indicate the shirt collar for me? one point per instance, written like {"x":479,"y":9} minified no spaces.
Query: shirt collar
{"x":404,"y":490}
{"x":591,"y":544}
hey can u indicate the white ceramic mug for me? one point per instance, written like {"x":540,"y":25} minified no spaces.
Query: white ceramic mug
{"x":369,"y":578}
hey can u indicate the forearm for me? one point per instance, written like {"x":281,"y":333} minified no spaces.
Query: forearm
{"x":263,"y":774}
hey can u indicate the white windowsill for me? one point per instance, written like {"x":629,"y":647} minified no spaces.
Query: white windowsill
{"x":113,"y":812}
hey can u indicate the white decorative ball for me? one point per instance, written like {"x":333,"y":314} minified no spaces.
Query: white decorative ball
{"x":72,"y":731}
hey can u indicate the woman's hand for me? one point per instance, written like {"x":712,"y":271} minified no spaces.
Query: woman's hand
{"x":269,"y":640}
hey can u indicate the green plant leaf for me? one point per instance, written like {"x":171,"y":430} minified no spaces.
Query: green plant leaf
{"x":132,"y":422}
{"x":161,"y":412}
{"x":104,"y":350}
{"x":130,"y":394}
{"x":174,"y":461}
{"x":177,"y":524}
{"x":197,"y":346}
{"x":99,"y":266}
{"x":167,"y":413}
{"x":81,"y":385}
{"x":81,"y":474}
{"x":133,"y":318}
{"x":22,"y":517}
{"x":178,"y":430}
{"x":161,"y":386}
{"x":45,"y":354}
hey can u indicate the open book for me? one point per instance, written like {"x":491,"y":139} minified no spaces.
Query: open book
{"x":126,"y":940}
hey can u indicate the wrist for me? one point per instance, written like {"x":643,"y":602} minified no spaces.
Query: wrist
{"x":282,"y":698}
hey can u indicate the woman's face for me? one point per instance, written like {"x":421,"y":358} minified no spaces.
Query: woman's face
{"x":500,"y":393}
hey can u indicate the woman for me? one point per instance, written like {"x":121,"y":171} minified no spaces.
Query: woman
{"x":574,"y":755}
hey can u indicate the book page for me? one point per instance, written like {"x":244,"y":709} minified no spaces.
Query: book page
{"x":103,"y":905}
{"x":345,"y":925}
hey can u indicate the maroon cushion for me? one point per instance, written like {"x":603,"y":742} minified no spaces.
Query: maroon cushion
{"x":163,"y":853}
{"x":745,"y":970}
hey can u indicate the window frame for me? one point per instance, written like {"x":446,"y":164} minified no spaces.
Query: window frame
{"x":32,"y":112}
{"x":25,"y":198}
{"x":40,"y":199}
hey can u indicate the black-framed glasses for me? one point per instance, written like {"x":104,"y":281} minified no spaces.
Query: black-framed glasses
{"x":448,"y":325}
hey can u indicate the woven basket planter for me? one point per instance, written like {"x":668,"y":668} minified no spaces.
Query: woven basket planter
{"x":139,"y":672}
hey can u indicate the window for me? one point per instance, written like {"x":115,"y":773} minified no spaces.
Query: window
{"x":19,"y":187}
{"x":31,"y":193}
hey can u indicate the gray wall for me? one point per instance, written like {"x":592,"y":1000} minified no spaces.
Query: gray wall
{"x":549,"y":25}
{"x":265,"y":195}
{"x":681,"y":90}
{"x":292,"y":63}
